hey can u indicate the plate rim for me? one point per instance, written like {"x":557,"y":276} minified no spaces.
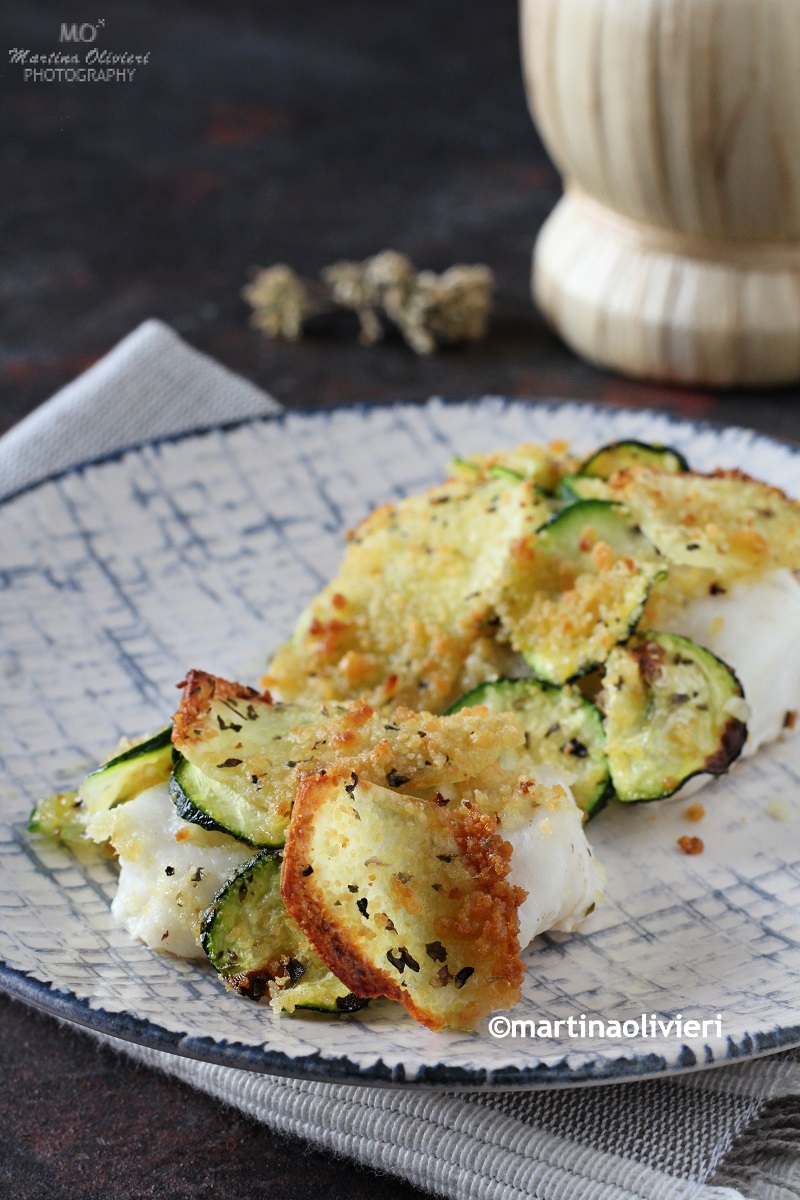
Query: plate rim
{"x":123,"y":1026}
{"x":65,"y":1005}
{"x":364,"y":407}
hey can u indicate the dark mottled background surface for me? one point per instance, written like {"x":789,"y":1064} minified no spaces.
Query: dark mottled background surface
{"x":259,"y":132}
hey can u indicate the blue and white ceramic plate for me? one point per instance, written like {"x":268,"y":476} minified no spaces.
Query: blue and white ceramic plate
{"x":200,"y":551}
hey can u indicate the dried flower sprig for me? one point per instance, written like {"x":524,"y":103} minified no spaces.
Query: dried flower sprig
{"x":428,"y":309}
{"x":281,"y":302}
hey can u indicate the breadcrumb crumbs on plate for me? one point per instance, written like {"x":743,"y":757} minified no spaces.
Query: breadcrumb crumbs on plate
{"x":691,"y":845}
{"x":778,"y":808}
{"x":695,"y":812}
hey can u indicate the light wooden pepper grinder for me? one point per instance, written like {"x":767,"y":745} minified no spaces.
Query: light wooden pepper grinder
{"x":675,"y":251}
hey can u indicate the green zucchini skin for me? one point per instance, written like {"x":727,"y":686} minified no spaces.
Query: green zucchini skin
{"x":562,"y":729}
{"x":550,"y":657}
{"x":219,"y":730}
{"x":61,"y":816}
{"x":132,"y":772}
{"x":617,"y":455}
{"x":250,"y":939}
{"x":212,"y":805}
{"x":568,"y":489}
{"x":464,"y":466}
{"x":672,"y":711}
{"x":499,"y":472}
{"x":565,"y":523}
{"x":512,"y":476}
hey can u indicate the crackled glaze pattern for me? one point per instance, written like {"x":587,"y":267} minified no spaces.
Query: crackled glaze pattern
{"x":119,"y":576}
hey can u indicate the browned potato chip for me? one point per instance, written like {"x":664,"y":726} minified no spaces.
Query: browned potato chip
{"x":411,"y":599}
{"x":208,"y":703}
{"x":256,"y":751}
{"x":404,"y":898}
{"x":400,"y":748}
{"x":407,"y":750}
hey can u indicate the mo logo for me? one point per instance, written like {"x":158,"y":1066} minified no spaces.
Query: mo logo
{"x":80,"y":33}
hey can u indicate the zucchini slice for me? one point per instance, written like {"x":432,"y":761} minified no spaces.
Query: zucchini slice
{"x":672,"y":710}
{"x":573,"y":590}
{"x":235,"y":773}
{"x":215,"y":805}
{"x":569,"y":489}
{"x":61,"y":816}
{"x":562,"y":729}
{"x":406,"y":899}
{"x":252,"y":942}
{"x":125,"y":776}
{"x":618,"y":455}
{"x":726,"y":522}
{"x":501,"y":472}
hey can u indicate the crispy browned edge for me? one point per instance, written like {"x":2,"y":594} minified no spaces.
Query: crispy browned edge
{"x":199,"y":691}
{"x":479,"y":845}
{"x":620,"y":478}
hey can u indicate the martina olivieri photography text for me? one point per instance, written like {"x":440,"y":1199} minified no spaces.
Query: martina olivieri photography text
{"x":400,"y":620}
{"x":79,"y":62}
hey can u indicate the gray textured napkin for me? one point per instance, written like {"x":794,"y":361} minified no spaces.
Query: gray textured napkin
{"x":152,"y":385}
{"x":725,"y":1134}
